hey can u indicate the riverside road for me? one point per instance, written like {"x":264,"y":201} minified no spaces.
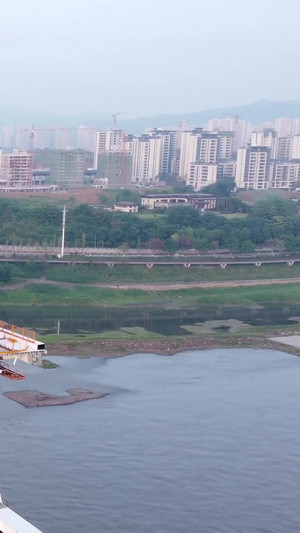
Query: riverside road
{"x":152,"y":261}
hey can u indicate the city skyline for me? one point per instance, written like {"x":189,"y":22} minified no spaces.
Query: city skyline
{"x":153,"y":58}
{"x":259,"y":156}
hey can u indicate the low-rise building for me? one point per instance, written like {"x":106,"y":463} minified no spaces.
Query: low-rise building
{"x":126,"y":207}
{"x":201,"y":202}
{"x":28,"y":188}
{"x":100,"y":183}
{"x":39,"y":176}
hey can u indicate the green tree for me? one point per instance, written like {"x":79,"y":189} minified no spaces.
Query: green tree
{"x":171,"y":245}
{"x":5,"y":272}
{"x":183,"y":217}
{"x":220,"y":188}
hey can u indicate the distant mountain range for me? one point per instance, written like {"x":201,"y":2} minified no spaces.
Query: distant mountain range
{"x":258,"y":112}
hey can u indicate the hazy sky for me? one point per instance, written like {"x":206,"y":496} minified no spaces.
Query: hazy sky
{"x":147,"y":56}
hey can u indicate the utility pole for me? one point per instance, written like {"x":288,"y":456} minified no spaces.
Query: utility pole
{"x":63,"y":232}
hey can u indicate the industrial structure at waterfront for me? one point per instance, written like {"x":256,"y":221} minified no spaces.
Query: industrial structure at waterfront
{"x":18,"y":344}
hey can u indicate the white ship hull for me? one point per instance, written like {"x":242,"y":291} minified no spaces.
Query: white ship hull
{"x":11,"y":522}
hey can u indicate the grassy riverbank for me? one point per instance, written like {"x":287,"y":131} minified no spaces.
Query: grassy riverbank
{"x":92,"y":345}
{"x":139,"y":334}
{"x":81,"y":295}
{"x":92,"y":273}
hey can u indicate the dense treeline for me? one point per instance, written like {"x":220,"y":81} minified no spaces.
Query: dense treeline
{"x":274,"y":223}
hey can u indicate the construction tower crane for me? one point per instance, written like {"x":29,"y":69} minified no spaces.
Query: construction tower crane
{"x":236,"y":121}
{"x":33,"y":131}
{"x":114,"y":116}
{"x":236,"y":117}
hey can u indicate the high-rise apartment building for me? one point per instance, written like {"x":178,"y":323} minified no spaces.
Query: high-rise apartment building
{"x":16,"y":168}
{"x":284,"y":149}
{"x":267,"y":138}
{"x":281,"y":175}
{"x":296,"y":126}
{"x":253,"y":167}
{"x":170,"y":143}
{"x":225,"y":145}
{"x":7,"y":136}
{"x":108,"y":141}
{"x":241,"y":130}
{"x":188,"y":151}
{"x":41,"y":139}
{"x":226,"y":169}
{"x":113,"y":157}
{"x":283,"y":126}
{"x":67,"y":168}
{"x":64,"y":137}
{"x":294,"y":173}
{"x":295,"y":152}
{"x":207,"y":148}
{"x":213,"y":125}
{"x":201,"y":174}
{"x":197,"y":146}
{"x":284,"y":174}
{"x":147,"y":158}
{"x":85,"y":138}
{"x":155,"y":155}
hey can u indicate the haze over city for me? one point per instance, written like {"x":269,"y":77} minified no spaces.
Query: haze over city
{"x":149,"y":266}
{"x":147,"y":57}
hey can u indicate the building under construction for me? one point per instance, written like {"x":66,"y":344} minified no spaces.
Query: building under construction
{"x":67,"y":168}
{"x":116,"y":166}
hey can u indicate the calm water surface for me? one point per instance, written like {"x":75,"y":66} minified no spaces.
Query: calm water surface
{"x":198,"y":442}
{"x":47,"y":320}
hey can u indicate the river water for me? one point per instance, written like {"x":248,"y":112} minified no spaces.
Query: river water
{"x":80,"y":320}
{"x":197,"y":442}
